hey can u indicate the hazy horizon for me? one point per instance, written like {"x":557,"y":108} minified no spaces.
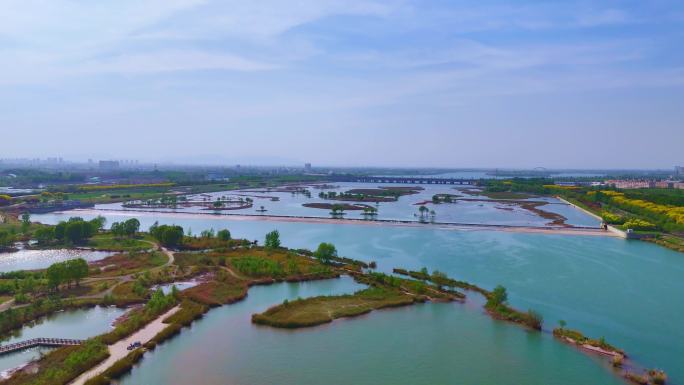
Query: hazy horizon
{"x":397,"y":83}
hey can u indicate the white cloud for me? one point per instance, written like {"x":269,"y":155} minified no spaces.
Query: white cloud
{"x":167,"y":61}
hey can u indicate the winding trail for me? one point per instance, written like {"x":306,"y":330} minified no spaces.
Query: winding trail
{"x":118,"y":350}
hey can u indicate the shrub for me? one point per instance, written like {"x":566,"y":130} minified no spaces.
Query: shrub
{"x":325,"y":251}
{"x":657,"y":376}
{"x":639,"y":224}
{"x":223,"y":235}
{"x":617,"y":361}
{"x":272,"y":240}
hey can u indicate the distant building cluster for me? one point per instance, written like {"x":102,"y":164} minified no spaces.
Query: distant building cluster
{"x":631,"y":184}
{"x":679,"y":171}
{"x":109,"y":164}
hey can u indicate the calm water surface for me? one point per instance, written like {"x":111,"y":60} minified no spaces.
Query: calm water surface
{"x":77,"y":324}
{"x":405,"y":209}
{"x":424,"y":344}
{"x":41,"y":259}
{"x":630,"y":292}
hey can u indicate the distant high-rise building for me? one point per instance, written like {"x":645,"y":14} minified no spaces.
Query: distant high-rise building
{"x":109,"y":164}
{"x":679,"y":171}
{"x":307,"y":166}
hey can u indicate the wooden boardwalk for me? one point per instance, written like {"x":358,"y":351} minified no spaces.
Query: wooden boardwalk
{"x":38,"y":342}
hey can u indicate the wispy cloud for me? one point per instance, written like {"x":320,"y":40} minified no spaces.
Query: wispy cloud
{"x":313,"y":65}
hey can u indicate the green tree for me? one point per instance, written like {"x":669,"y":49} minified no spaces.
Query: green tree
{"x":76,"y":270}
{"x":498,"y":296}
{"x":131,"y":227}
{"x":117,"y":229}
{"x":272,"y":240}
{"x":170,"y":236}
{"x":562,"y":324}
{"x":45,"y":234}
{"x":223,"y":235}
{"x":56,"y":275}
{"x":423,"y":210}
{"x":97,"y":223}
{"x":25,"y":222}
{"x":6,"y":239}
{"x":76,"y":230}
{"x":325,"y":251}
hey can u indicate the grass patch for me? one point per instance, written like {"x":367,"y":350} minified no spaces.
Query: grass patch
{"x":127,"y":263}
{"x":218,"y":292}
{"x":324,"y":309}
{"x":109,"y":242}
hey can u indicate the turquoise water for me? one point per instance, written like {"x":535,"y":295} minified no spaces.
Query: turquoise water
{"x":405,"y":209}
{"x":40,"y":259}
{"x":630,"y":292}
{"x":424,"y":344}
{"x":77,"y":324}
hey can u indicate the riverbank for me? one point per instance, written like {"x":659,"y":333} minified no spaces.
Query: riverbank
{"x":119,"y":349}
{"x":575,"y":230}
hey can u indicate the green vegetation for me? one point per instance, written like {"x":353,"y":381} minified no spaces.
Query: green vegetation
{"x":76,"y":230}
{"x":14,"y":318}
{"x":61,"y":366}
{"x":578,"y":338}
{"x":319,"y":310}
{"x":138,"y":318}
{"x":272,"y":240}
{"x":118,"y":369}
{"x":127,"y":263}
{"x":325,"y":252}
{"x":7,"y":239}
{"x":382,"y":194}
{"x":649,"y":210}
{"x":126,"y":229}
{"x":110,"y":242}
{"x":258,"y":267}
{"x":497,"y":306}
{"x":73,"y":270}
{"x":653,"y":376}
{"x":669,"y":241}
{"x":169,"y":236}
{"x":223,"y":290}
{"x":223,"y":235}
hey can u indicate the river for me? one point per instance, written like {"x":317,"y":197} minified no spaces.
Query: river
{"x":629,"y":292}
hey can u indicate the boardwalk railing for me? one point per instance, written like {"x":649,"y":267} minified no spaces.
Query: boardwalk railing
{"x":38,"y":342}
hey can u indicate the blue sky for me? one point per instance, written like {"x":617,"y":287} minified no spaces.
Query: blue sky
{"x":560,"y":84}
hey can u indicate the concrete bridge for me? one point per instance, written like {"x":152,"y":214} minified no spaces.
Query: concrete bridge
{"x":38,"y":342}
{"x":403,"y":179}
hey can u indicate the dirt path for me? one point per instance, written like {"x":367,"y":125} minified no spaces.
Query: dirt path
{"x":118,"y":350}
{"x":6,"y":305}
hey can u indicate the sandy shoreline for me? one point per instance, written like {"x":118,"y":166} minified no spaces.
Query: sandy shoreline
{"x":357,"y":222}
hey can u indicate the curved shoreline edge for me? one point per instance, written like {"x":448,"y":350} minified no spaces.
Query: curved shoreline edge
{"x":575,"y":230}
